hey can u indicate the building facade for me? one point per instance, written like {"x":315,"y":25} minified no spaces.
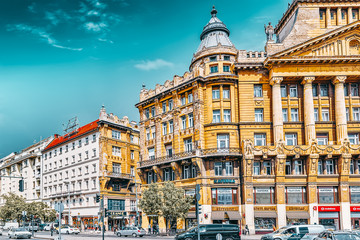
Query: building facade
{"x":272,"y":137}
{"x":25,"y":164}
{"x":76,"y":167}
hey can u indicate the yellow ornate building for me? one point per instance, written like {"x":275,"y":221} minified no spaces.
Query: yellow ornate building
{"x":272,"y":137}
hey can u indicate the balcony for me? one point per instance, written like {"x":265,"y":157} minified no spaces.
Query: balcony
{"x":38,"y":164}
{"x":119,"y":175}
{"x":221,"y":152}
{"x":38,"y":176}
{"x":167,"y":159}
{"x":37,"y":188}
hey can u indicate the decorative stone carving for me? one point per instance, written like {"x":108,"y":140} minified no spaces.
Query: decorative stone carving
{"x":308,"y":80}
{"x":276,"y":80}
{"x":269,"y":31}
{"x":339,"y":79}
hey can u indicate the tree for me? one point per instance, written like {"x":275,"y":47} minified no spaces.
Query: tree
{"x":13,"y":207}
{"x":41,"y":210}
{"x":150,"y":203}
{"x":167,"y":201}
{"x":175,"y":204}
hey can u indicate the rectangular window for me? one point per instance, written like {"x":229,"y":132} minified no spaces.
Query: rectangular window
{"x":218,"y":168}
{"x":171,"y":104}
{"x":151,"y":153}
{"x":132,"y":154}
{"x":116,"y":134}
{"x":153,"y":132}
{"x":347,"y":114}
{"x":320,"y":167}
{"x":224,"y":196}
{"x":223,"y":141}
{"x":293,"y":91}
{"x":295,"y":195}
{"x":316,"y":114}
{"x":226,"y":68}
{"x":346,"y":89}
{"x":227,"y":115}
{"x":169,"y":150}
{"x":325,"y":114}
{"x":260,"y":139}
{"x":183,"y":100}
{"x":256,"y":168}
{"x":216,"y":93}
{"x":258,"y":90}
{"x":356,"y":114}
{"x":183,"y":122}
{"x":148,"y":134}
{"x":294,"y":115}
{"x":191,"y":120}
{"x":116,"y":168}
{"x":214,"y":69}
{"x":131,"y":138}
{"x":78,"y":142}
{"x":116,"y":151}
{"x":283,"y":90}
{"x":324,"y":90}
{"x":229,"y":169}
{"x":353,"y":138}
{"x":188,"y":145}
{"x":147,"y":113}
{"x":291,"y":139}
{"x":115,"y":204}
{"x":216,"y":116}
{"x":330,"y":166}
{"x":164,"y":107}
{"x":226,"y":93}
{"x":322,"y":138}
{"x":352,"y":166}
{"x":264,"y":195}
{"x":315,"y":90}
{"x":355,"y":194}
{"x":288,"y":167}
{"x":285,"y":114}
{"x":226,"y":58}
{"x":213,"y":59}
{"x":267,"y":167}
{"x":186,"y":172}
{"x":354,"y":89}
{"x":259,"y":115}
{"x":298,"y":167}
{"x":327,"y":195}
{"x":190,"y":98}
{"x":171,"y":126}
{"x":164,"y":125}
{"x":153,"y":111}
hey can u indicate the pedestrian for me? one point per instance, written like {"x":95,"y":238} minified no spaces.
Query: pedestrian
{"x":247,"y":231}
{"x":149,"y":227}
{"x":274,"y":228}
{"x":114,"y":229}
{"x":52,"y":230}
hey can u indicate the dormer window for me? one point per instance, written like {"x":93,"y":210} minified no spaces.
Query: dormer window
{"x":226,"y":58}
{"x":213,"y":59}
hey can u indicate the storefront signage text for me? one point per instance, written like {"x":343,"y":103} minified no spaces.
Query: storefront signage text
{"x":355,"y":209}
{"x":224,"y":181}
{"x":265,"y":208}
{"x":297,"y":208}
{"x":225,"y":209}
{"x":329,"y":209}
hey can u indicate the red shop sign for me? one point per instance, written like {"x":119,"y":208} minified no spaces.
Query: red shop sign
{"x":329,"y":208}
{"x":355,"y":209}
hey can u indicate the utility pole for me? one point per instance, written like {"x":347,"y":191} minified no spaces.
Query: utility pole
{"x":136,"y":205}
{"x":102,"y":217}
{"x":197,"y":199}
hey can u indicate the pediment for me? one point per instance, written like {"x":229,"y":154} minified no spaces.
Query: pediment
{"x":343,"y":41}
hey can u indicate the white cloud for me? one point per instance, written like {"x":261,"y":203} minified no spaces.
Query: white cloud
{"x":95,"y":27}
{"x":148,"y":65}
{"x":105,"y":40}
{"x":42,"y":34}
{"x":57,"y":16}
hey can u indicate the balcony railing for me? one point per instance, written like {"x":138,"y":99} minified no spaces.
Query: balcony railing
{"x":221,"y":152}
{"x":119,"y":175}
{"x":167,"y":159}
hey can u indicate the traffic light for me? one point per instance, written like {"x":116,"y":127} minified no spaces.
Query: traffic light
{"x":97,"y":197}
{"x":197,"y":193}
{"x":21,"y":185}
{"x":107,"y":213}
{"x":200,"y":209}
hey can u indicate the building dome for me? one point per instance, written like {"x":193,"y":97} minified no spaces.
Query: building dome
{"x":214,"y":33}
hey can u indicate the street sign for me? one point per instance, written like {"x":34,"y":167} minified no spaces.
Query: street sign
{"x":197,"y":192}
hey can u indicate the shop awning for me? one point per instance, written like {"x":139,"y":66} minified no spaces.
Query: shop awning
{"x":217,"y":215}
{"x":234,"y":215}
{"x":191,"y":215}
{"x":297,"y":215}
{"x":265,"y":214}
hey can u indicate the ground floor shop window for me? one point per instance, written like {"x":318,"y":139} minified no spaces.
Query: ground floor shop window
{"x":355,"y":194}
{"x":330,"y":220}
{"x":190,"y":222}
{"x":265,"y":223}
{"x":264,"y":195}
{"x":295,"y":195}
{"x":328,"y":194}
{"x":297,"y":221}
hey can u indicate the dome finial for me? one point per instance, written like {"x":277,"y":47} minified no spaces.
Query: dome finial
{"x":213,"y":11}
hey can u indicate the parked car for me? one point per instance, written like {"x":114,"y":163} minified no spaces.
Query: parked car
{"x":69,"y":230}
{"x":212,"y":231}
{"x":42,"y":226}
{"x":9,"y":225}
{"x":131,"y":231}
{"x":48,"y":226}
{"x":337,"y":235}
{"x":30,"y":227}
{"x":19,"y":233}
{"x":295,"y":232}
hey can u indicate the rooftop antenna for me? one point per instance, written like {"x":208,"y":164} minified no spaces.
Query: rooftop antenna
{"x":71,"y":125}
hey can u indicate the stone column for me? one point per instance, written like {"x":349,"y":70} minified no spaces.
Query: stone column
{"x":309,"y":118}
{"x":277,"y":109}
{"x":349,"y":15}
{"x":312,"y":168}
{"x":328,"y":17}
{"x":344,"y":171}
{"x":340,"y":110}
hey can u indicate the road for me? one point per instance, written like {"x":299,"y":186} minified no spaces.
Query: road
{"x":108,"y":235}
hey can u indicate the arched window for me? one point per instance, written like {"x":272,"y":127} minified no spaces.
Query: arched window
{"x":354,"y":47}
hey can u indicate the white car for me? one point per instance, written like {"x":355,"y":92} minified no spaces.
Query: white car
{"x":19,"y":233}
{"x":70,"y":230}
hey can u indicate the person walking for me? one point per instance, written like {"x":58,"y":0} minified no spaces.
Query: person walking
{"x":149,"y":228}
{"x":247,"y":231}
{"x":52,"y":230}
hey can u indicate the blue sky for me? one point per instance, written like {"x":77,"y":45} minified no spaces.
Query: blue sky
{"x":65,"y":58}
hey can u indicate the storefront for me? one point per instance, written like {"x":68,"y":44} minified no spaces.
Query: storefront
{"x":226,"y":215}
{"x":329,"y":217}
{"x":355,"y":217}
{"x":265,"y":219}
{"x":190,"y":220}
{"x":297,"y":215}
{"x":118,"y":220}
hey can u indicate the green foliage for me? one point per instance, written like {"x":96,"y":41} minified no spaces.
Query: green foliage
{"x":167,"y":201}
{"x":15,"y":205}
